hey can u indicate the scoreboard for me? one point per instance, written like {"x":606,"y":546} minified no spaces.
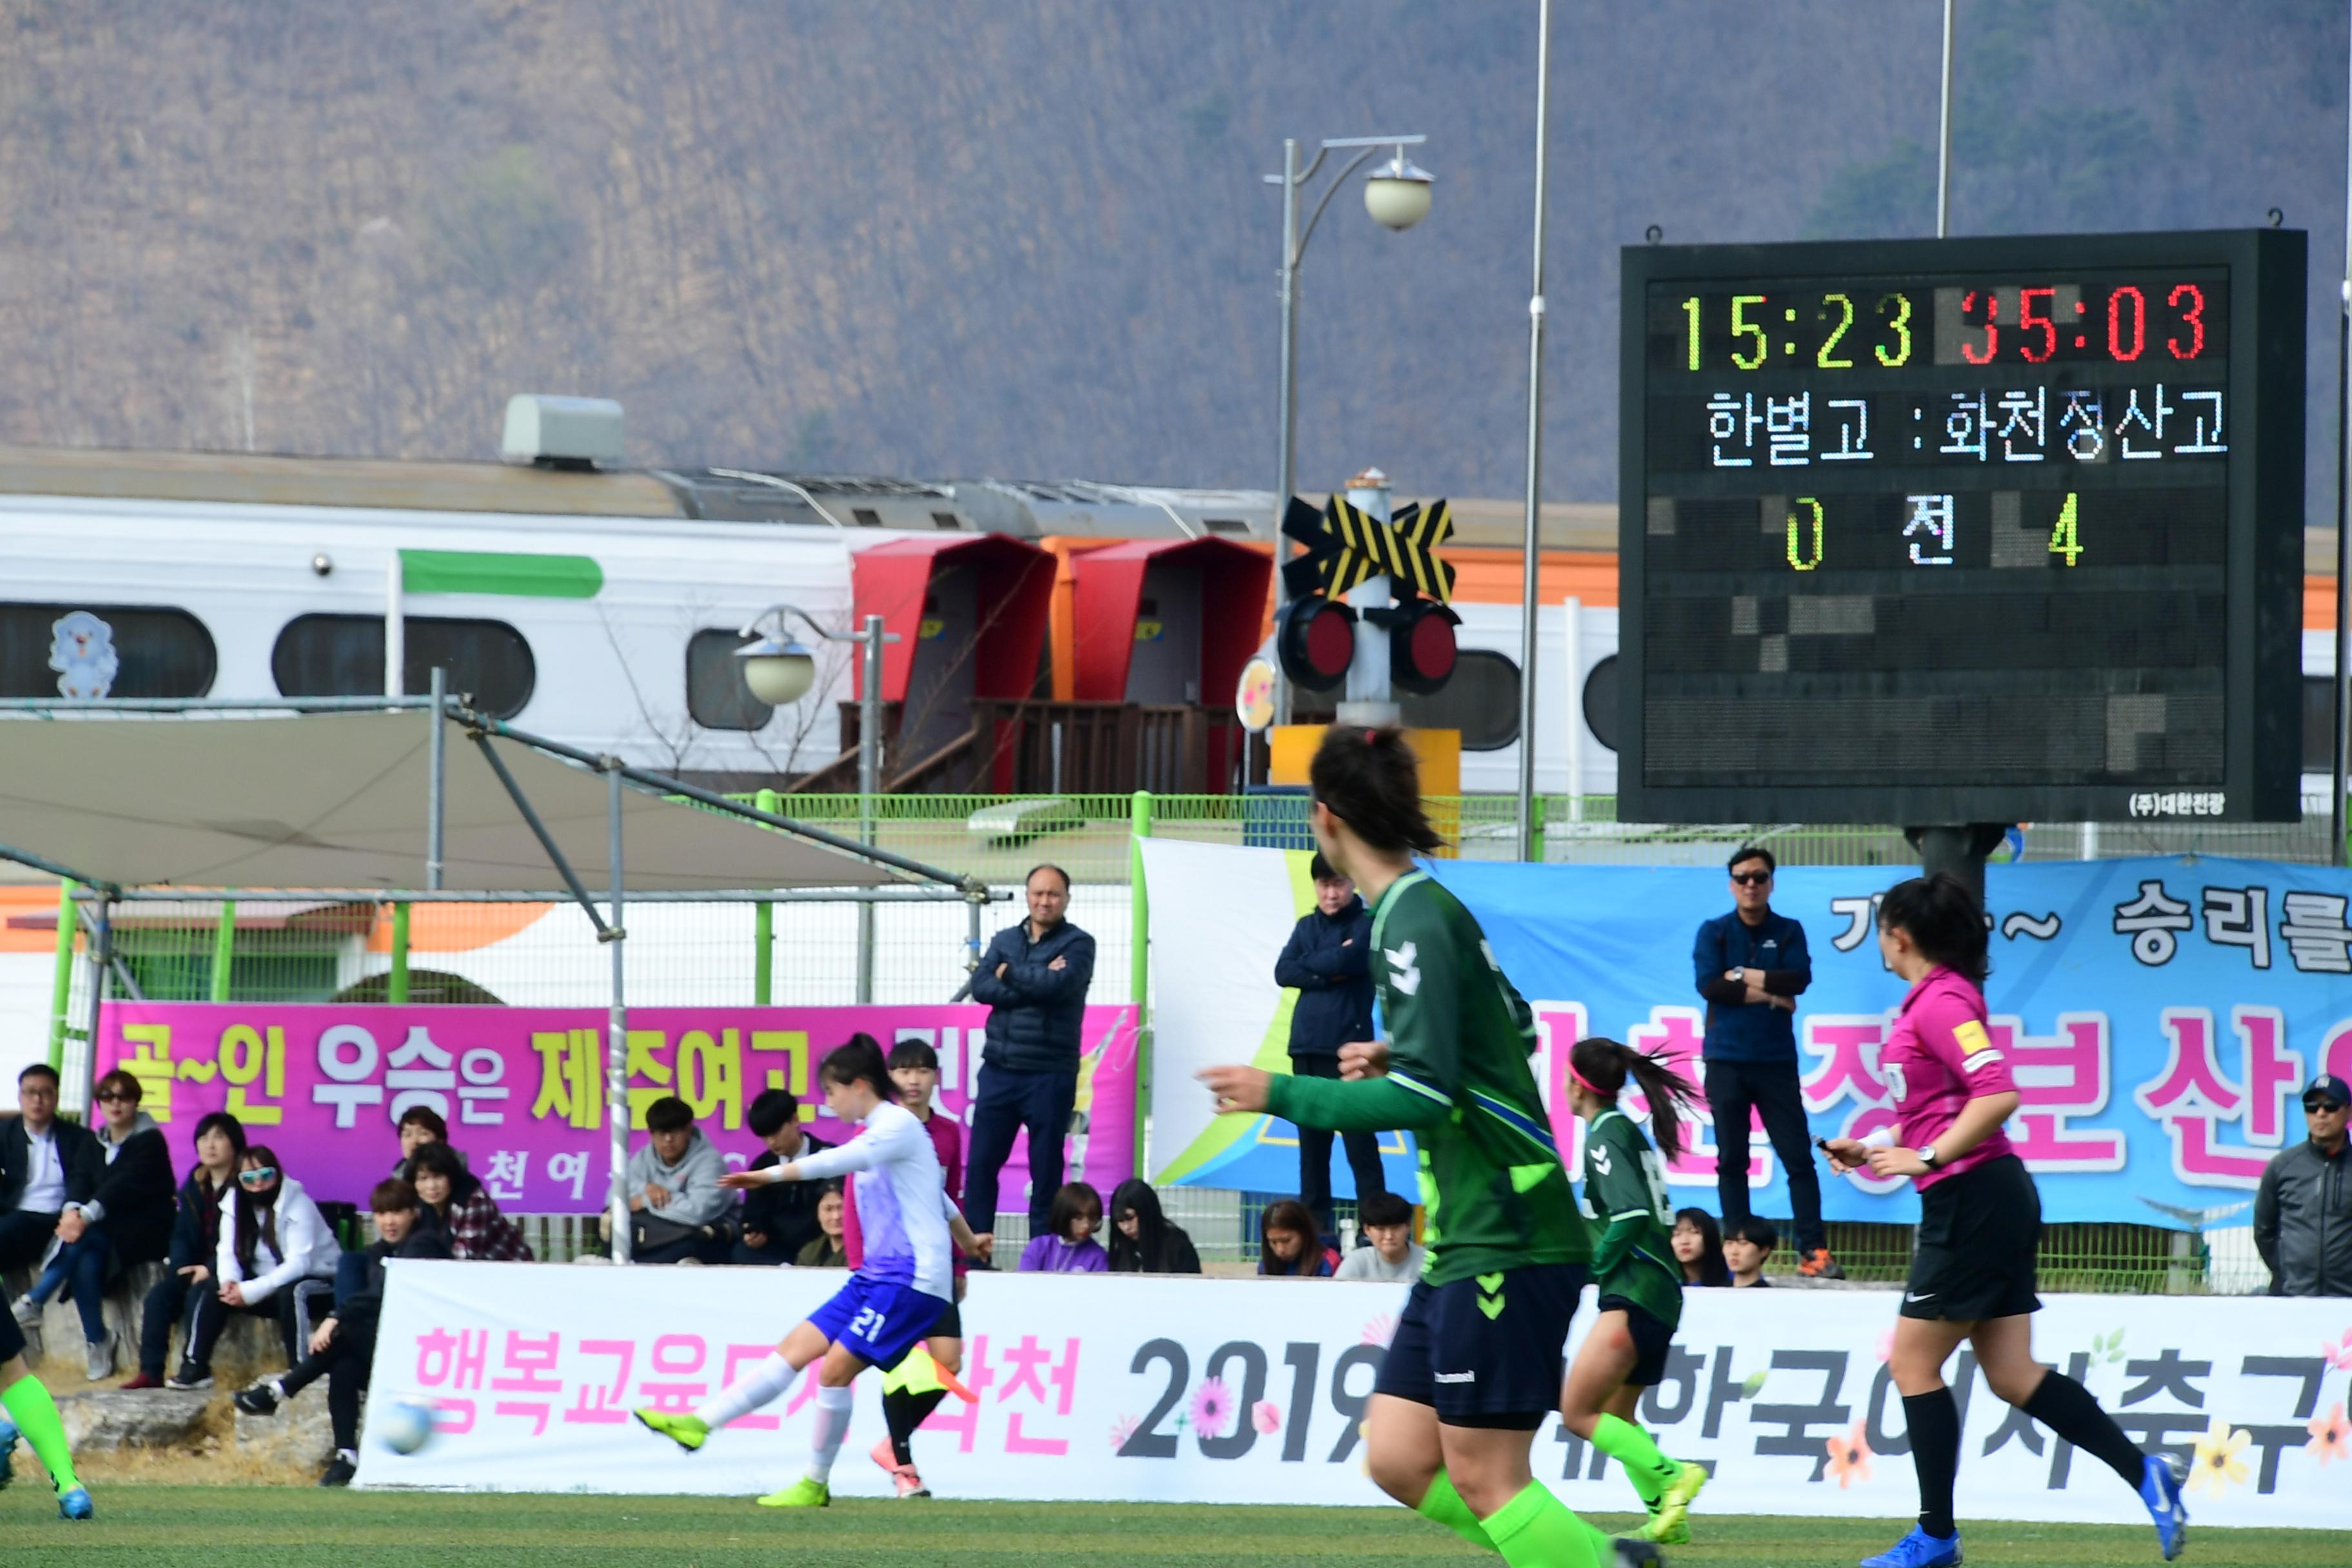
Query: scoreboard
{"x":1924,"y":532}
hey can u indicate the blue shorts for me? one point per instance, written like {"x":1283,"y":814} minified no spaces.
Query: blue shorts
{"x":1481,"y":1357}
{"x":879,"y":1321}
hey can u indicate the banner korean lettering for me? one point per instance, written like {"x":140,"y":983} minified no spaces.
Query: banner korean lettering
{"x":523,"y":1089}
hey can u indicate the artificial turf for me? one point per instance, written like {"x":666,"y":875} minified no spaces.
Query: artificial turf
{"x":285,"y":1527}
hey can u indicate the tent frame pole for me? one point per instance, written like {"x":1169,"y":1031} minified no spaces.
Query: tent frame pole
{"x":547,"y":840}
{"x":616,"y":1042}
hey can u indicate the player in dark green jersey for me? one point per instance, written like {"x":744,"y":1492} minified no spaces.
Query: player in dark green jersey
{"x":1474,"y":1365}
{"x":1641,"y":1283}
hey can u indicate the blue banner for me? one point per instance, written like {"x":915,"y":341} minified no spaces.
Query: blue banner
{"x":2161,"y":1016}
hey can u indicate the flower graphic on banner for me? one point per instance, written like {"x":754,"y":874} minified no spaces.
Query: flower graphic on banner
{"x":1850,"y":1457}
{"x":1213,"y":1407}
{"x":1380,"y":1331}
{"x":1266,"y":1416}
{"x":2217,"y":1466}
{"x":2331,"y":1435}
{"x":2338,"y":1351}
{"x":1121,"y":1431}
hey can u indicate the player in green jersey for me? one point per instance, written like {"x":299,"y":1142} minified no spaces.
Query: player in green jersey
{"x":1641,"y":1283}
{"x":1474,"y":1365}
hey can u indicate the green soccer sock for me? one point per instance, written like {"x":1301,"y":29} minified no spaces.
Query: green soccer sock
{"x":1536,"y":1530}
{"x":1645,"y":1467}
{"x":36,"y":1415}
{"x":1444,"y":1505}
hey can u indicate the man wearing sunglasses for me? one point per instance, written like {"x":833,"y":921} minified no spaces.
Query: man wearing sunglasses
{"x":1752,"y":966}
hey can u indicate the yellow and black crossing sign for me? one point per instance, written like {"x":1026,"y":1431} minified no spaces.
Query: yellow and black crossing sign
{"x":1348,"y":546}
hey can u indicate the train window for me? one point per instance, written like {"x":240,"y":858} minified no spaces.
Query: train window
{"x":2318,"y":724}
{"x":717,"y":695}
{"x":1224,"y":525}
{"x":1482,"y":700}
{"x":1600,"y":701}
{"x":946,"y":520}
{"x":103,"y":650}
{"x":342,"y":656}
{"x":867,"y":517}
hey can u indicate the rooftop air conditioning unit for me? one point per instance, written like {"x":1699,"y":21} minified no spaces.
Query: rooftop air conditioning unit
{"x":572,"y":433}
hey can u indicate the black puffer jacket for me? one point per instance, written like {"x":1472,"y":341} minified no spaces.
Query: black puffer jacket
{"x":2303,"y":1221}
{"x":1035,"y":1024}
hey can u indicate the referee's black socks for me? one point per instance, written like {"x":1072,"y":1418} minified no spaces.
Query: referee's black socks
{"x":1933,"y":1422}
{"x":2067,"y":1408}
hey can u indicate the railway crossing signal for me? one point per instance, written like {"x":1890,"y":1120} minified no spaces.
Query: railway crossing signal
{"x":1346,"y":548}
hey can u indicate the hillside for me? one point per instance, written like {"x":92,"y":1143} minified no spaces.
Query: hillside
{"x":1026,"y":238}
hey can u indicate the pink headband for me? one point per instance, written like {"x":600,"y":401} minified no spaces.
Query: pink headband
{"x":1591,"y":1088}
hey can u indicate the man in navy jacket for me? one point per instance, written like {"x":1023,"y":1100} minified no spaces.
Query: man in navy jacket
{"x":1752,"y":966}
{"x":1034,"y":978}
{"x":1327,"y":961}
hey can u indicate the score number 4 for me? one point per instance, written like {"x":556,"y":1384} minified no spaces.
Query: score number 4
{"x":2065,"y":535}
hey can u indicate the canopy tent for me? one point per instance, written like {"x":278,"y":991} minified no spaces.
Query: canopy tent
{"x":340,"y":800}
{"x":371,"y":797}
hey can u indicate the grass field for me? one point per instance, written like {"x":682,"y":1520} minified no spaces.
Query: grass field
{"x":283,"y":1527}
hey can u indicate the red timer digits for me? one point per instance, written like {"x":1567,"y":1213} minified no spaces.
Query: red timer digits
{"x":2062,"y":322}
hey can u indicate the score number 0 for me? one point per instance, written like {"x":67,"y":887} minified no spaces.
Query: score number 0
{"x":2066,"y":534}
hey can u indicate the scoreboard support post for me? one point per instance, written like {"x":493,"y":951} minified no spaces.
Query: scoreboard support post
{"x":1958,"y":850}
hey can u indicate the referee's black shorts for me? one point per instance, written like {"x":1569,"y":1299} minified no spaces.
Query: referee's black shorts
{"x":1978,"y":1233}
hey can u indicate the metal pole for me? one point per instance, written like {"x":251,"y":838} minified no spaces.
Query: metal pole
{"x":1139,"y":965}
{"x":101,"y":952}
{"x":869,"y":783}
{"x":1531,"y":545}
{"x":224,"y":953}
{"x":436,"y":786}
{"x":395,"y":632}
{"x":2339,"y":854}
{"x":1287,"y":421}
{"x":395,"y":984}
{"x":1944,"y":135}
{"x":616,"y":1040}
{"x":61,"y":979}
{"x":763,"y":927}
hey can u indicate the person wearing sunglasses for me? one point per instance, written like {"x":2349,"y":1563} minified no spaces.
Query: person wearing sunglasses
{"x":127,"y":1218}
{"x":272,"y":1238}
{"x":1752,"y":966}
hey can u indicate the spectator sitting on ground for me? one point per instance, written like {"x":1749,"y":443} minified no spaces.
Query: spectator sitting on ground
{"x":779,"y":1219}
{"x":272,"y":1238}
{"x":45,"y":1165}
{"x":1069,"y":1245}
{"x":1289,"y":1244}
{"x":419,"y":1125}
{"x":1386,"y":1219}
{"x":1141,"y":1240}
{"x":2302,"y":1209}
{"x":469,"y":1217}
{"x":828,"y":1250}
{"x":195,"y":1241}
{"x":126,"y":1221}
{"x":342,"y":1347}
{"x":1698,"y":1247}
{"x":680,"y":1209}
{"x":1748,"y":1241}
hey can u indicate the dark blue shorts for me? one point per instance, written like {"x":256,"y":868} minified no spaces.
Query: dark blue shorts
{"x":1481,"y":1357}
{"x":12,"y":1338}
{"x":879,"y":1321}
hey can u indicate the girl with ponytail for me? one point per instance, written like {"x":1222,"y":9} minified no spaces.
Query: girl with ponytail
{"x":1633,"y":1261}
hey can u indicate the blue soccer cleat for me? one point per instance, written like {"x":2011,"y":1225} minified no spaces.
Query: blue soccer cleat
{"x":7,"y":1447}
{"x":75,"y":1504}
{"x":1919,"y":1549}
{"x":2160,"y":1488}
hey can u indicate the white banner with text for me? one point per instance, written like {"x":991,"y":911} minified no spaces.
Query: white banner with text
{"x":1160,"y":1389}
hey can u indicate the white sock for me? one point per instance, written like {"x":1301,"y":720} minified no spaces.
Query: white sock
{"x":832,"y":1410}
{"x":763,"y":1383}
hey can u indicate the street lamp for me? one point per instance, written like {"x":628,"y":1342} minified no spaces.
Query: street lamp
{"x":1397,"y":197}
{"x":780,"y":670}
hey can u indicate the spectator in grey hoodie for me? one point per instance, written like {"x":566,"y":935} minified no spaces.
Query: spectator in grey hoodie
{"x":680,"y":1210}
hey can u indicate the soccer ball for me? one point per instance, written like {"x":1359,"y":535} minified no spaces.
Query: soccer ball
{"x":403,"y":1426}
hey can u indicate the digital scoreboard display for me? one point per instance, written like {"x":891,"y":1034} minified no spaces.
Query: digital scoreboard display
{"x":1930,"y":531}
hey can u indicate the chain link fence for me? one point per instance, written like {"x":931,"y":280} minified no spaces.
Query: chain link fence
{"x":283,"y":949}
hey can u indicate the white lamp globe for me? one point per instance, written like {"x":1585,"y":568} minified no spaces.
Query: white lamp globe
{"x":1396,"y":194}
{"x":778,"y":672}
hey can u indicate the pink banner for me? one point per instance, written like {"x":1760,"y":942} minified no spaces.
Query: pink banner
{"x":523,"y":1089}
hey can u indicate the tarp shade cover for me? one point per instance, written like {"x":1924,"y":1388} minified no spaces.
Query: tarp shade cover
{"x":338,"y":801}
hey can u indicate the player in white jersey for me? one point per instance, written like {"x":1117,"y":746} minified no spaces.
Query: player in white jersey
{"x":890,"y":1302}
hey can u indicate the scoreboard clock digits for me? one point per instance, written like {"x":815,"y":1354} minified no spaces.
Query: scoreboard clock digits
{"x":1925,"y":532}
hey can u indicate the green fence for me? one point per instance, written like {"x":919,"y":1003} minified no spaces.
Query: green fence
{"x":282,"y":949}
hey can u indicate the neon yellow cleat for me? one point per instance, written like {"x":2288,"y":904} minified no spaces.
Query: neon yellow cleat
{"x":802,"y":1493}
{"x":689,"y":1432}
{"x":1669,"y":1521}
{"x":1659,"y":1530}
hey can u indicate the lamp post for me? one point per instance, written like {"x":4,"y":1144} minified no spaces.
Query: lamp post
{"x":780,"y":670}
{"x":1396,"y":197}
